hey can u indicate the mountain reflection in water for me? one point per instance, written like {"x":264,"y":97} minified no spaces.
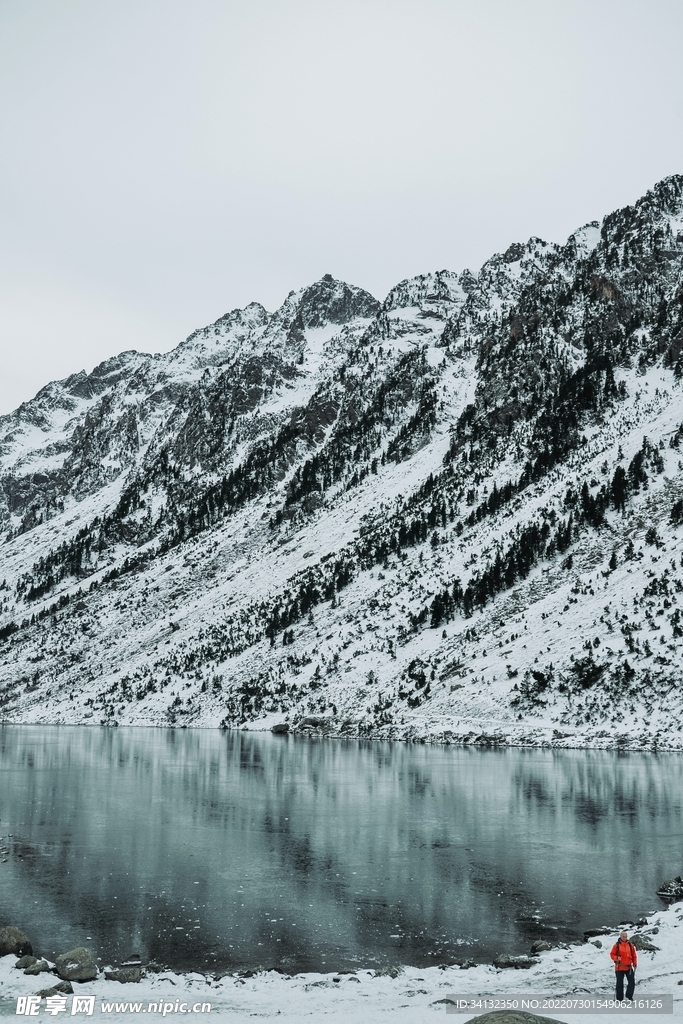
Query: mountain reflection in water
{"x":230,"y":850}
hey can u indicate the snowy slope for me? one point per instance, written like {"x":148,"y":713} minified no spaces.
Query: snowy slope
{"x":453,"y":515}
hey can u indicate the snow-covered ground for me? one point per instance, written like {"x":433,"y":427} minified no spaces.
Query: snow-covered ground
{"x":364,"y":997}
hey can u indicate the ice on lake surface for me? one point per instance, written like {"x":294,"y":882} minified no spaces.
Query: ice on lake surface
{"x":200,"y":848}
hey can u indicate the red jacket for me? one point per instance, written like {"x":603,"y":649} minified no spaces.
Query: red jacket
{"x":624,"y":955}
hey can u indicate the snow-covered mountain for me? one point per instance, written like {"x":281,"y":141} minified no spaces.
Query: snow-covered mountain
{"x":455,"y":514}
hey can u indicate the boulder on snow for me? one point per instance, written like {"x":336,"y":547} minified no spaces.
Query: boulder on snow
{"x":125,"y":975}
{"x":505,"y":960}
{"x":76,"y":965}
{"x":25,"y":961}
{"x":511,"y":1017}
{"x":61,"y":988}
{"x":15,"y":942}
{"x":39,"y":967}
{"x":540,"y":946}
{"x":388,"y":972}
{"x":672,"y":891}
{"x":642,"y":942}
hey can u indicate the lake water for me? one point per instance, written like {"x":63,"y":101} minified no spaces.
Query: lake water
{"x":198,"y":849}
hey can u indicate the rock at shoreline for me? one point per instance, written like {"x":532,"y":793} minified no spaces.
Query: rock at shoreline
{"x":512,"y":1017}
{"x":598,"y":931}
{"x":76,"y":965}
{"x":61,"y":988}
{"x":540,"y":946}
{"x":280,"y":728}
{"x":15,"y":942}
{"x":39,"y":967}
{"x":505,"y":960}
{"x":125,"y":974}
{"x":388,"y":972}
{"x":25,"y":961}
{"x":672,"y":891}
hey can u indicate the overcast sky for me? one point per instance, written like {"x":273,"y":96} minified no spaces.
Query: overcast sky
{"x":164,"y":161}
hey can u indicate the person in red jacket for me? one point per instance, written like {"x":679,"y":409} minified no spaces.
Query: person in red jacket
{"x":625,"y":962}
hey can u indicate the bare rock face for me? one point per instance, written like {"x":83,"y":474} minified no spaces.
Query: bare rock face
{"x":76,"y":965}
{"x":15,"y":942}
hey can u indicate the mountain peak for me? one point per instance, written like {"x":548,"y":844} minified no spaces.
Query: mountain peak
{"x":667,"y":195}
{"x":329,"y":301}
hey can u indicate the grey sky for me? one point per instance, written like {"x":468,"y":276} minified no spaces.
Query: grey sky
{"x":164,"y":161}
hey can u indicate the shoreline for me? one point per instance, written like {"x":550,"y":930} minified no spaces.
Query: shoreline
{"x":403,"y":994}
{"x":486,"y":736}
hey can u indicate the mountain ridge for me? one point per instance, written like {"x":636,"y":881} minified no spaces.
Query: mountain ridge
{"x":357,"y":517}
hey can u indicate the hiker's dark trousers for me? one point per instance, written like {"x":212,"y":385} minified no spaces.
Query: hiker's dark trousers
{"x":630,"y":976}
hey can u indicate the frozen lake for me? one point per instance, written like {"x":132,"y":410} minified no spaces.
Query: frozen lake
{"x":231,"y":850}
